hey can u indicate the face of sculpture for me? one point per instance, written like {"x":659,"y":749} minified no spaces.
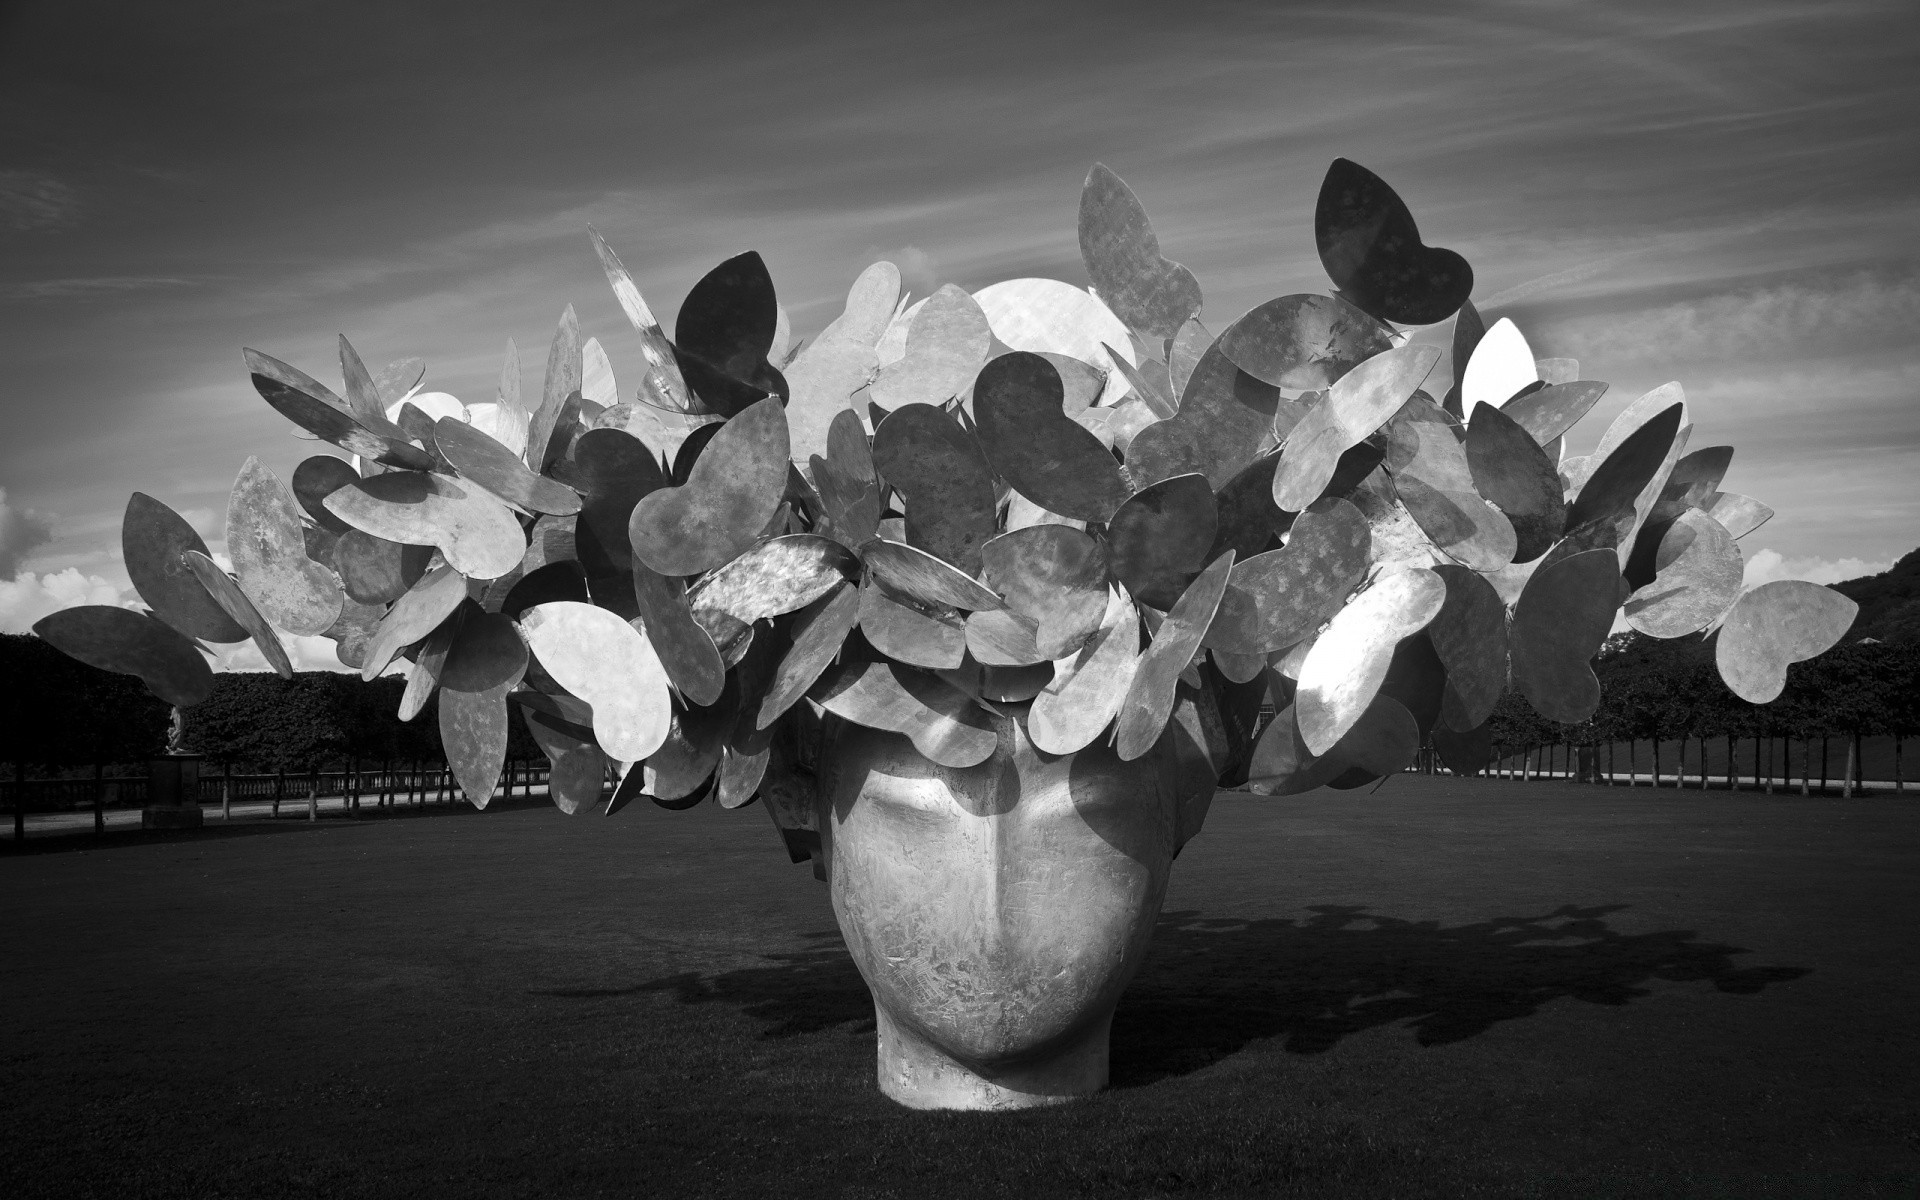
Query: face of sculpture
{"x":997,"y":910}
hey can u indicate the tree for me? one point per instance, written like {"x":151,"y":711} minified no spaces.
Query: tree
{"x":57,"y":712}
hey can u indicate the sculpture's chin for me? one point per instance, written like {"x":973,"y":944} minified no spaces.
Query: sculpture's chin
{"x":998,"y":911}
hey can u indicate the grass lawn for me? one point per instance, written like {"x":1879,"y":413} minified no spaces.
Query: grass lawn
{"x":1445,"y":988}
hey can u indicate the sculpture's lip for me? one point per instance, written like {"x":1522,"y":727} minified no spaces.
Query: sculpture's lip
{"x":994,"y":991}
{"x":987,"y":1044}
{"x":992,"y":1015}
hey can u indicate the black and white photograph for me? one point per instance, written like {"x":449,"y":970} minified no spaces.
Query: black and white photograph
{"x":895,"y":601}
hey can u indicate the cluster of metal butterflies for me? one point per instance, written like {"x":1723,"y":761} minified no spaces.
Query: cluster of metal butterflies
{"x":1077,"y":507}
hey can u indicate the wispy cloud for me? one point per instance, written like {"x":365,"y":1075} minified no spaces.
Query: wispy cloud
{"x":1793,"y":318}
{"x":1768,"y":565}
{"x":22,"y":530}
{"x":90,"y":288}
{"x":30,"y":200}
{"x":1681,"y":191}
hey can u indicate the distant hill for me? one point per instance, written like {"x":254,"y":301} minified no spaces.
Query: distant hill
{"x":1889,"y":602}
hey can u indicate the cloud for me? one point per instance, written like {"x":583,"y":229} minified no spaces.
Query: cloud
{"x":30,"y":200}
{"x":919,"y":274}
{"x":1769,"y":565}
{"x":1859,"y":310}
{"x":29,"y":597}
{"x":306,"y":654}
{"x":89,"y":288}
{"x":21,"y":531}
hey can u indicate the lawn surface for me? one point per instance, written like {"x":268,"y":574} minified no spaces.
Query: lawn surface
{"x":1445,"y":988}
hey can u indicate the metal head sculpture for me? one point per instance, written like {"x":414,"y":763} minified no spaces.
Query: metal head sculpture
{"x":983,"y":593}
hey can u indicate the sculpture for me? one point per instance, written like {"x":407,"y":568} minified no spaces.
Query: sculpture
{"x":983,"y":594}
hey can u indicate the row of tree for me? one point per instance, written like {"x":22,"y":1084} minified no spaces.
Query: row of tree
{"x":60,"y":715}
{"x":1655,"y":690}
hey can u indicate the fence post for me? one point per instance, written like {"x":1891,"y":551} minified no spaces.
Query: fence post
{"x":1853,"y":767}
{"x":19,"y":804}
{"x":313,"y":788}
{"x":99,"y":798}
{"x":1899,"y":779}
{"x":279,"y":789}
{"x":226,"y":790}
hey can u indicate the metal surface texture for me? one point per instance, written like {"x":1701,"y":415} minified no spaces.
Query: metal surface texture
{"x":1273,"y":600}
{"x":228,"y":593}
{"x":1036,"y":447}
{"x":1150,"y":694}
{"x":1342,"y":673}
{"x":943,"y":475}
{"x":153,"y":542}
{"x":1372,"y":251}
{"x":1152,"y":294}
{"x":1304,"y":341}
{"x":1558,"y":624}
{"x":269,"y":554}
{"x":1774,"y":626}
{"x":1363,"y":400}
{"x":1158,"y":540}
{"x":1222,"y":426}
{"x":733,"y":491}
{"x":478,"y":534}
{"x":131,"y":643}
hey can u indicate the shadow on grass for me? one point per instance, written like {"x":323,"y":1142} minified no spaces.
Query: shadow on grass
{"x":1211,"y":986}
{"x":801,"y":992}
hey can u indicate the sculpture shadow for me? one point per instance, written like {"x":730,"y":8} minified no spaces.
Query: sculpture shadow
{"x":1210,"y":986}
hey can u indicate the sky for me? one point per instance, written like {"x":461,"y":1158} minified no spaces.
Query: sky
{"x":1727,"y":195}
